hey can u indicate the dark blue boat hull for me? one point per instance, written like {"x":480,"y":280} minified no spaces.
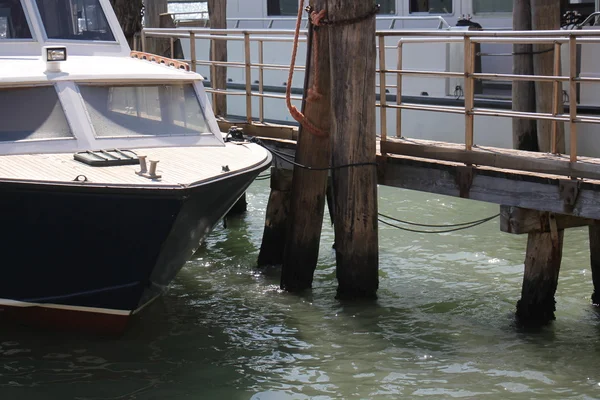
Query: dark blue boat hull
{"x":102,"y":251}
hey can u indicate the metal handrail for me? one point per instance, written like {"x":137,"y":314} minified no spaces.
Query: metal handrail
{"x":469,"y":39}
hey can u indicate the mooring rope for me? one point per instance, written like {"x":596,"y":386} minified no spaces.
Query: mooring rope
{"x":459,"y":227}
{"x":286,"y":158}
{"x":313,"y":93}
{"x":317,"y":19}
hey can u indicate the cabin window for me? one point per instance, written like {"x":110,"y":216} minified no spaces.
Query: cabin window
{"x":492,"y":6}
{"x":157,"y":110}
{"x":13,"y":24}
{"x":32,"y":113}
{"x":431,"y":6}
{"x":282,"y":7}
{"x":74,"y":20}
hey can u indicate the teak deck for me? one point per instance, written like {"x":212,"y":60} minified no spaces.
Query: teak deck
{"x":178,"y":167}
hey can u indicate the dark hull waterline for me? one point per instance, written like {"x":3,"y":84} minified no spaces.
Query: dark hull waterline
{"x":89,"y":258}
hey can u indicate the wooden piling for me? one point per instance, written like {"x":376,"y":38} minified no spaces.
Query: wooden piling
{"x":217,"y":12}
{"x":545,"y":15}
{"x":523,"y":92}
{"x":273,"y":242}
{"x":353,"y":54}
{"x":309,"y":186}
{"x":594,"y":232}
{"x":129,"y":14}
{"x":240,"y":207}
{"x":540,"y":280}
{"x":152,"y":12}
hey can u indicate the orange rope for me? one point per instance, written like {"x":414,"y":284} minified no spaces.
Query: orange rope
{"x":313,"y":92}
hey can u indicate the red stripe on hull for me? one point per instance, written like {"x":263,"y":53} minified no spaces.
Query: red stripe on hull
{"x":65,"y":320}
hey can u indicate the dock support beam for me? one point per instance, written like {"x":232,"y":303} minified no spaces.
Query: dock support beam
{"x":542,"y":265}
{"x":352,"y":50}
{"x":240,"y":207}
{"x":594,"y":232}
{"x":273,"y":242}
{"x":309,"y":186}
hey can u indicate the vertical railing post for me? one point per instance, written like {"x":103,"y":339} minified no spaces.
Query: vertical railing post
{"x":469,"y":91}
{"x":556,"y":96}
{"x":194,"y":60}
{"x":261,"y":76}
{"x":399,"y":93}
{"x":382,"y":89}
{"x":143,"y":36}
{"x":573,"y":95}
{"x":213,"y":72}
{"x":248,"y":77}
{"x":172,"y":40}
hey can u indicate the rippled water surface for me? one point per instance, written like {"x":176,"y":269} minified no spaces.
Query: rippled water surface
{"x":442,"y":327}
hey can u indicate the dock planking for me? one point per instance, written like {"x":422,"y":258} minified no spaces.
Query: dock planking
{"x":538,"y":181}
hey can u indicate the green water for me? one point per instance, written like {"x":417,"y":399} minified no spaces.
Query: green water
{"x":442,"y":327}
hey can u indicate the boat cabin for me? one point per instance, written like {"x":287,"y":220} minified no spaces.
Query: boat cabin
{"x":68,"y":83}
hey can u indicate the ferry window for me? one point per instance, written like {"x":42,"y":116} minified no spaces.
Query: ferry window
{"x":431,"y":6}
{"x":282,"y":7}
{"x":492,"y":6}
{"x":13,"y":24}
{"x":157,"y":110}
{"x":387,"y":7}
{"x":74,"y":20}
{"x":32,"y":113}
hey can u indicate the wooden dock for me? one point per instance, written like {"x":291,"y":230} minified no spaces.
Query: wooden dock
{"x":506,"y":177}
{"x":539,"y":194}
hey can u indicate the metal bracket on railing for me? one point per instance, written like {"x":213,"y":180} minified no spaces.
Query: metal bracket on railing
{"x":464,"y":179}
{"x":569,"y":192}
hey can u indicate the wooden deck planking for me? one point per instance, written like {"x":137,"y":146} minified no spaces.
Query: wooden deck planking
{"x":178,"y":166}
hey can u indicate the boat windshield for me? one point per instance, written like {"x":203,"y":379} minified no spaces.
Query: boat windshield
{"x":13,"y":24}
{"x":74,"y":20}
{"x":157,"y":110}
{"x":32,"y":113}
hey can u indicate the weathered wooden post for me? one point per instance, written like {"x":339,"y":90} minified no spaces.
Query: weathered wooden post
{"x":540,"y":279}
{"x":594,"y":233}
{"x":544,"y":246}
{"x":152,"y":12}
{"x":542,"y":262}
{"x":352,"y":52}
{"x":545,"y":16}
{"x":217,"y":12}
{"x":523,"y":92}
{"x":309,"y":186}
{"x":129,"y":14}
{"x":273,"y":241}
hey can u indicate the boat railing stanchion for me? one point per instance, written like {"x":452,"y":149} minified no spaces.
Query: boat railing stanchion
{"x":382,"y":89}
{"x":213,"y":72}
{"x":556,"y":95}
{"x":248,"y":77}
{"x":261,"y":75}
{"x":573,"y":95}
{"x":469,"y":91}
{"x":399,"y":92}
